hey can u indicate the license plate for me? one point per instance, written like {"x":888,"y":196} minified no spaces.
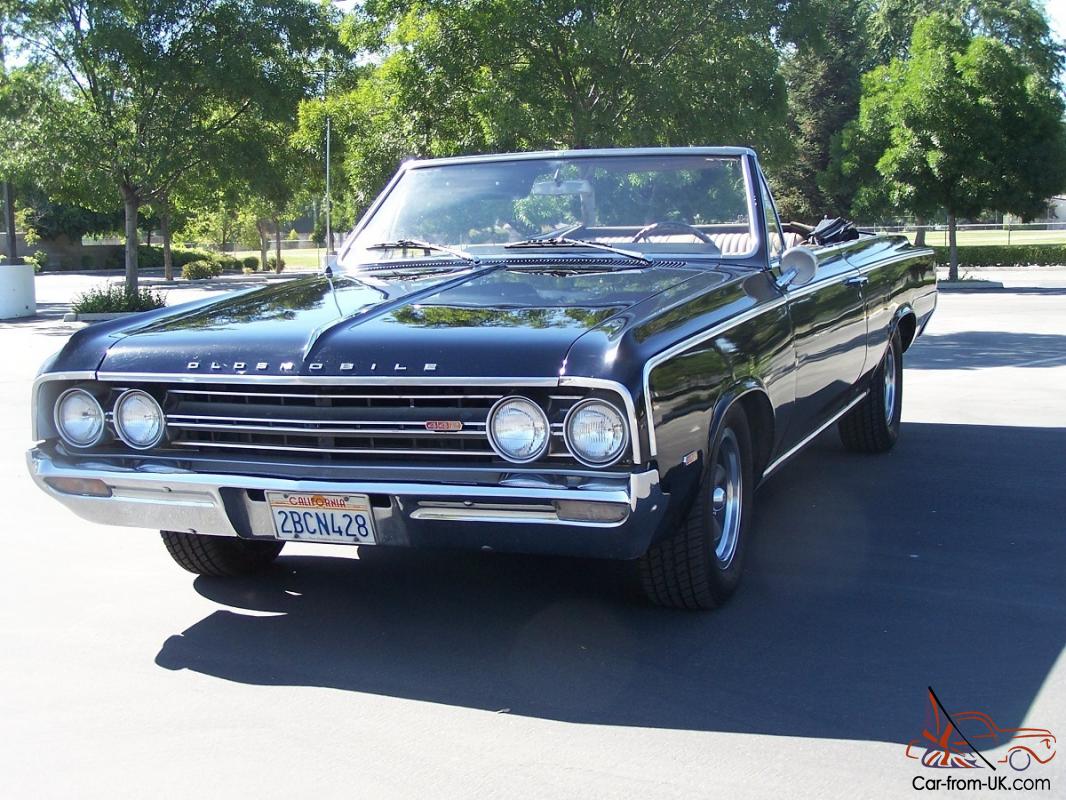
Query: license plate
{"x":337,"y":518}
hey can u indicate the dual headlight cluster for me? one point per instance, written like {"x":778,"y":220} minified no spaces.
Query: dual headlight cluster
{"x":81,"y":421}
{"x":595,"y":431}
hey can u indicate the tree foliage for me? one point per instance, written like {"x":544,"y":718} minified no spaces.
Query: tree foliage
{"x":147,"y":87}
{"x":823,"y":77}
{"x":1022,"y":25}
{"x":961,"y":125}
{"x":440,"y":78}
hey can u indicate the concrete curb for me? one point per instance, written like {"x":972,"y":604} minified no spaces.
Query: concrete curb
{"x":967,"y":285}
{"x":101,"y":317}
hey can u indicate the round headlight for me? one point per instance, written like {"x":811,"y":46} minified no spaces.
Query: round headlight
{"x":518,"y":429}
{"x":79,"y":418}
{"x":139,"y":420}
{"x":596,"y":433}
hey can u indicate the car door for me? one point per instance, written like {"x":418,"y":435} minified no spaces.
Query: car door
{"x":829,"y":323}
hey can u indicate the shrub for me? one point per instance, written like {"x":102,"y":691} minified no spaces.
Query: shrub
{"x":114,"y":298}
{"x":276,"y":265}
{"x":1006,"y":255}
{"x":293,"y":235}
{"x":251,"y":263}
{"x":39,"y":259}
{"x":186,"y":255}
{"x":198,"y":270}
{"x":149,"y":257}
{"x":228,"y":263}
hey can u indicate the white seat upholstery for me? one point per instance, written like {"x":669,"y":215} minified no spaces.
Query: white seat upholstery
{"x":730,"y":244}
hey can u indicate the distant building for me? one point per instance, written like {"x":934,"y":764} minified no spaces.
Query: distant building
{"x":1055,"y":214}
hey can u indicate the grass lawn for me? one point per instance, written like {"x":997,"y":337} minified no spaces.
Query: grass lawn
{"x":294,"y":259}
{"x":939,"y":238}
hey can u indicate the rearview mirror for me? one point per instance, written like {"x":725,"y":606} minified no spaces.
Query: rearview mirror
{"x":562,"y":187}
{"x":798,"y":267}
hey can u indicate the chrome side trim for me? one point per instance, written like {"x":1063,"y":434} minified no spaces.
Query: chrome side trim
{"x":926,"y":252}
{"x":811,"y":436}
{"x":721,"y":328}
{"x":689,"y":343}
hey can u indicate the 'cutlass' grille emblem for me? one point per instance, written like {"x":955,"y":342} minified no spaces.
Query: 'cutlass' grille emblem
{"x":440,"y":425}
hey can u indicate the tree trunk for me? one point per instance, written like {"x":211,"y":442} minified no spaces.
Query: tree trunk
{"x":148,"y":236}
{"x":953,"y":248}
{"x":225,"y":230}
{"x":164,"y":230}
{"x":264,"y":242}
{"x":131,"y":202}
{"x":9,"y":223}
{"x":919,"y":237}
{"x":279,"y":266}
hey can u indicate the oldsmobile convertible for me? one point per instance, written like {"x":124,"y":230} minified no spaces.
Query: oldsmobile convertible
{"x":595,"y":353}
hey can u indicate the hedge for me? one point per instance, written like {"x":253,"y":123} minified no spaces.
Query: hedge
{"x":1007,"y":255}
{"x":198,"y":270}
{"x":114,"y":298}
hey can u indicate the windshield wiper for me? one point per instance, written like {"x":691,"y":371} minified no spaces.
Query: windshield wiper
{"x":415,"y":244}
{"x":563,"y":241}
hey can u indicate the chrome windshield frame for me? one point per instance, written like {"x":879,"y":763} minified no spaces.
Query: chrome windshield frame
{"x":746,"y":156}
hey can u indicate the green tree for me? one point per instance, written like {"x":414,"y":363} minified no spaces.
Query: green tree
{"x":962,"y":125}
{"x":442,"y":78}
{"x":147,"y":87}
{"x":823,"y":76}
{"x":1020,"y":24}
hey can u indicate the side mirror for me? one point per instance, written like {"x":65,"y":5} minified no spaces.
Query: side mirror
{"x":798,"y":267}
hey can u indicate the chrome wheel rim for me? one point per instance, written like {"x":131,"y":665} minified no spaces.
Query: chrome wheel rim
{"x":726,"y":498}
{"x":890,"y":386}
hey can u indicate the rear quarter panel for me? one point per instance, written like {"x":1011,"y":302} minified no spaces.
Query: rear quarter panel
{"x":902,"y":279}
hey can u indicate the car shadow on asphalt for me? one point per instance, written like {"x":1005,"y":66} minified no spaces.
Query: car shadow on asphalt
{"x":982,"y":349}
{"x":871,"y":578}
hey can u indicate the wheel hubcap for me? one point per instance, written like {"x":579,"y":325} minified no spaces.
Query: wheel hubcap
{"x":890,"y":386}
{"x":726,"y":498}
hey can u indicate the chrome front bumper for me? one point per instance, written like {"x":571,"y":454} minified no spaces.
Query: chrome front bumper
{"x":521,"y":517}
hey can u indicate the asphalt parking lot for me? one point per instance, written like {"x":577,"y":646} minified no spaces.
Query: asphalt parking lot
{"x":458,"y":675}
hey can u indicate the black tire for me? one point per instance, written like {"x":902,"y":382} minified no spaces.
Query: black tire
{"x":220,"y":556}
{"x":685,"y":570}
{"x":871,"y":427}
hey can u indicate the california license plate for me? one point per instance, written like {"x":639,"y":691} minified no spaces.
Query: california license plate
{"x":337,"y":518}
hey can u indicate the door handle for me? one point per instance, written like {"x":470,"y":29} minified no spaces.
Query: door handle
{"x":858,"y":280}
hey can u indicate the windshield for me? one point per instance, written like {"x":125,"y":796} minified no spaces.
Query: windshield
{"x":686,"y":204}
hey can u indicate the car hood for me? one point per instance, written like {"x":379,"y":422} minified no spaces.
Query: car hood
{"x":503,"y":320}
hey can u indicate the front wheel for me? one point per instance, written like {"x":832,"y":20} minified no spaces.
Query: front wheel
{"x":220,"y":556}
{"x":873,"y":425}
{"x":699,"y":567}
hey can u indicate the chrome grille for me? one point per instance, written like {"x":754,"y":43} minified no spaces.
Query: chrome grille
{"x":366,"y":422}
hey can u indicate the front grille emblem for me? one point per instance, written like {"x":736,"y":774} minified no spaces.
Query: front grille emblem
{"x":444,"y":425}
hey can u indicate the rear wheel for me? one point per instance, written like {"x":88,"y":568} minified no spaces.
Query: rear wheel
{"x":700,"y":566}
{"x":873,"y":425}
{"x":220,"y":556}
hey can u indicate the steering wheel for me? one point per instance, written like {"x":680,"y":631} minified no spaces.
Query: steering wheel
{"x":664,"y":228}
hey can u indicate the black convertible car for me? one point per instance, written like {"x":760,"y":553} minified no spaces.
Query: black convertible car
{"x":591,"y":353}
